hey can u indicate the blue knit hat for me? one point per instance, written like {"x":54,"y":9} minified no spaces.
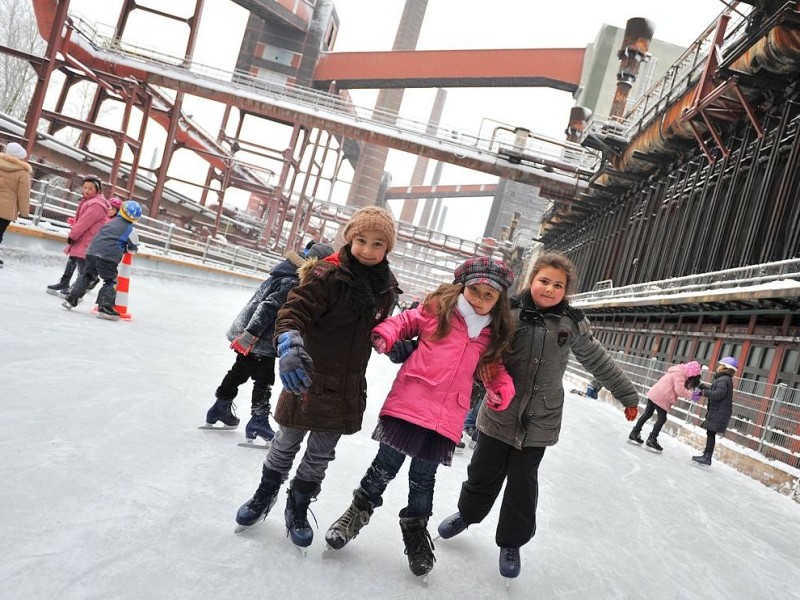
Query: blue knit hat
{"x":483,"y":269}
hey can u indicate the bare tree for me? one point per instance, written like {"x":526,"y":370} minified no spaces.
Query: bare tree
{"x":18,"y":30}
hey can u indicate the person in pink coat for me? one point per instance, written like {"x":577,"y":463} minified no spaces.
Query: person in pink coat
{"x":462,"y":328}
{"x":679,"y":380}
{"x":93,"y":212}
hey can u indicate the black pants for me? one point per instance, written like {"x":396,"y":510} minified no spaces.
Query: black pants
{"x":648,"y":412}
{"x":494,"y":462}
{"x":73,"y":262}
{"x":711,"y":441}
{"x":93,"y":268}
{"x":261,"y":369}
{"x":4,"y":223}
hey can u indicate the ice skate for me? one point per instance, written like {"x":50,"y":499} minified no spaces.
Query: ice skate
{"x":460,"y":446}
{"x":509,"y":563}
{"x":349,"y":525}
{"x":634,"y":437}
{"x":58,"y":289}
{"x":258,"y":427}
{"x":70,"y":302}
{"x":298,"y":529}
{"x":703,"y":460}
{"x":653,"y":445}
{"x":419,"y":546}
{"x":223,"y":411}
{"x":257,"y":508}
{"x":451,"y":526}
{"x":108,"y":313}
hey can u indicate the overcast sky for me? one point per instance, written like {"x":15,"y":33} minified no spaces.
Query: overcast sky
{"x":449,"y":24}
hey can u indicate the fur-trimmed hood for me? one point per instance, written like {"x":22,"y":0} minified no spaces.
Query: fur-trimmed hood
{"x":12,"y":163}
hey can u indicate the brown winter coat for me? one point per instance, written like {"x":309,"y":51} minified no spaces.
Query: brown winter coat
{"x":15,"y":187}
{"x":338,"y":340}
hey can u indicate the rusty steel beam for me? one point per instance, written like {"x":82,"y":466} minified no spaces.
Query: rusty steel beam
{"x":558,"y":68}
{"x":441,"y":191}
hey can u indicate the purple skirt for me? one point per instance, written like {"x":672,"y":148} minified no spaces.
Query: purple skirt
{"x":414,"y":441}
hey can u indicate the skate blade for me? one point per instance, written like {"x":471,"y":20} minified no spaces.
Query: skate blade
{"x":241,"y":528}
{"x":107,"y":317}
{"x":55,"y":293}
{"x":653,"y":450}
{"x":459,"y":451}
{"x":700,"y":465}
{"x":634,"y":443}
{"x":215,"y":428}
{"x":252,"y":444}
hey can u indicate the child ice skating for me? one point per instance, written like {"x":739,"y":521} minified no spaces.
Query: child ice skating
{"x":720,"y":405}
{"x":460,"y":326}
{"x":250,"y":335}
{"x":323,"y":342}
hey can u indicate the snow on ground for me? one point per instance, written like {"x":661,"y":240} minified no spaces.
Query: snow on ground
{"x":109,"y":490}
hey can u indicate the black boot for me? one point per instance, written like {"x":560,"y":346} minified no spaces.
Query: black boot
{"x":348,"y":526}
{"x":257,"y":508}
{"x":636,"y":436}
{"x":300,"y":495}
{"x":419,"y":546}
{"x":703,"y":459}
{"x":259,"y":425}
{"x":653,"y":443}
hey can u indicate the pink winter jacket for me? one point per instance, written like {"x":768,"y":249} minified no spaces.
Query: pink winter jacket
{"x":666,"y":390}
{"x":91,"y":215}
{"x":433,"y":387}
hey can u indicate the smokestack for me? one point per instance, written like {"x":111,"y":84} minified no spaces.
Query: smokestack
{"x":635,"y":44}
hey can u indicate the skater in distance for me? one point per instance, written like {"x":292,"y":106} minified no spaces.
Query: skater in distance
{"x":720,"y":405}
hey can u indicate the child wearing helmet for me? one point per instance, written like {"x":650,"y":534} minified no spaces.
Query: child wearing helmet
{"x":679,"y":380}
{"x":91,"y":214}
{"x":102,"y":258}
{"x":720,"y":405}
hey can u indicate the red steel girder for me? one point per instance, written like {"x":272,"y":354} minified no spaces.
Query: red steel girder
{"x":558,"y":68}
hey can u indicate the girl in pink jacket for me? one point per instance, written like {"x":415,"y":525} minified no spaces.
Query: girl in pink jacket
{"x":462,"y":327}
{"x":679,"y":380}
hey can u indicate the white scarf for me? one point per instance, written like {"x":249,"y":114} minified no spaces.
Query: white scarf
{"x":475,"y":322}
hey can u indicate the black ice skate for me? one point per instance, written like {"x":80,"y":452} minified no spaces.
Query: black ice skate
{"x":257,"y":508}
{"x":223,"y":410}
{"x":703,"y":459}
{"x":70,"y":302}
{"x":419,"y":546}
{"x":57,"y":289}
{"x":348,"y":526}
{"x":108,"y":313}
{"x":653,"y":445}
{"x":635,"y":437}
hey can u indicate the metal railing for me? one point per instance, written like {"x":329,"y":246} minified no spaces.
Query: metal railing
{"x":766,"y":417}
{"x":52,"y":205}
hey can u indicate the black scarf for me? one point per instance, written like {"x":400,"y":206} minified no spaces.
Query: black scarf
{"x":368,"y":283}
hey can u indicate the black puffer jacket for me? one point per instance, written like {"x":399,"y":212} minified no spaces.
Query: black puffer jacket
{"x":337,"y":337}
{"x":720,"y":402}
{"x":537,"y":361}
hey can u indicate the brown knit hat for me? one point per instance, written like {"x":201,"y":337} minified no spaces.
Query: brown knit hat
{"x":371,"y":218}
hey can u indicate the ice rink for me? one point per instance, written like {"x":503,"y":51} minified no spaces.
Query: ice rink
{"x":109,"y":490}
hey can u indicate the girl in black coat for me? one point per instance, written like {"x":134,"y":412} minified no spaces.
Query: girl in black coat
{"x":720,"y":405}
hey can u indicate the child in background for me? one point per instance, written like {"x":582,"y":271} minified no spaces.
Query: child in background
{"x":102,"y":257}
{"x":720,"y":405}
{"x":512,"y":442}
{"x":250,"y":335}
{"x":323,"y":342}
{"x":15,"y":186}
{"x":460,"y":326}
{"x":679,"y":380}
{"x":92,"y":213}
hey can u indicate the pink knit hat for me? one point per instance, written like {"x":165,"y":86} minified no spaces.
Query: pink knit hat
{"x":692,"y":369}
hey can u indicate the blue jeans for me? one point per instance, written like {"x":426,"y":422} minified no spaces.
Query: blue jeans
{"x":421,"y":480}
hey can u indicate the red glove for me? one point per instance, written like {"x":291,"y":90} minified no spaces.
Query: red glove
{"x":488,"y":371}
{"x":244,"y":342}
{"x":496,"y":402}
{"x":631,"y":412}
{"x":378,"y":343}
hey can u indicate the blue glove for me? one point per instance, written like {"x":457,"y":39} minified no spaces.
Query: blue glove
{"x":591,"y":392}
{"x":401,"y":350}
{"x":296,"y":369}
{"x":289,"y":339}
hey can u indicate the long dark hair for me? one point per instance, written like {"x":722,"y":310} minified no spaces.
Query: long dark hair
{"x":556,"y":261}
{"x":443,"y":302}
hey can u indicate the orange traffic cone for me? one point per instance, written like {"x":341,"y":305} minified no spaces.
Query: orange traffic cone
{"x":123,"y":285}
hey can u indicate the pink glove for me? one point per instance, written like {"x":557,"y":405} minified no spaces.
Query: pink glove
{"x":496,"y":402}
{"x":70,"y":220}
{"x":378,"y":343}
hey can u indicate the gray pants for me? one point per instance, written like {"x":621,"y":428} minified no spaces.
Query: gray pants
{"x":320,"y":450}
